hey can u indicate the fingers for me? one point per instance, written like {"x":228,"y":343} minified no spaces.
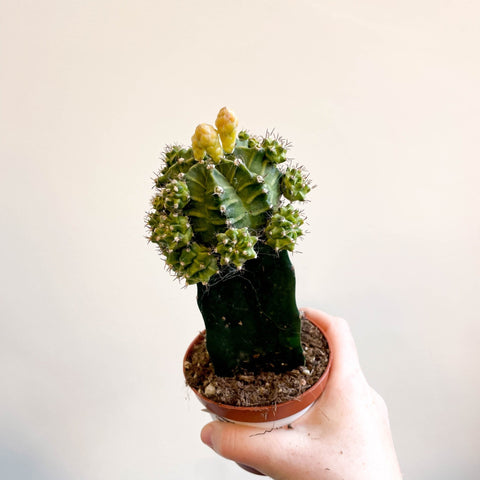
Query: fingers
{"x":345,"y":361}
{"x":265,"y":451}
{"x":234,"y":442}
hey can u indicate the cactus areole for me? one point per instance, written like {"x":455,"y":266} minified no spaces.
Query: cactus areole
{"x":224,"y":218}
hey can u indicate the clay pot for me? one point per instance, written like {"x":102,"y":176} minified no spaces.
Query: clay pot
{"x":269,"y":416}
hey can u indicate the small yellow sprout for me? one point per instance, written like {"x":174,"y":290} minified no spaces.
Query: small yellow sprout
{"x":227,"y":125}
{"x":205,"y":141}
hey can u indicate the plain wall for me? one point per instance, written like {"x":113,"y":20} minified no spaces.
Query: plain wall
{"x":381,"y":102}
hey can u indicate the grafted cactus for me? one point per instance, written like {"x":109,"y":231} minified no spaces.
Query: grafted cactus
{"x":223,"y":219}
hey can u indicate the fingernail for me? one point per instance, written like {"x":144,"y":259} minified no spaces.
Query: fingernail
{"x":206,"y":435}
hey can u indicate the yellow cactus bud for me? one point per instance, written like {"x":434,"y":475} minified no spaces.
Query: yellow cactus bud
{"x":205,"y":141}
{"x":227,"y":125}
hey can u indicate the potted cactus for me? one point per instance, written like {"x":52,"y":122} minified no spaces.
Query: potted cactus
{"x":224,"y":219}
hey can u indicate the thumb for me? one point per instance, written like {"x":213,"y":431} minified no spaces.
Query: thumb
{"x":264,"y":450}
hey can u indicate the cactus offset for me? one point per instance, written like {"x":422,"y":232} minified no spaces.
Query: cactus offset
{"x":223,"y":219}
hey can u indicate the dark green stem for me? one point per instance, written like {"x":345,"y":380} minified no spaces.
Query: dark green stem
{"x":251,"y":316}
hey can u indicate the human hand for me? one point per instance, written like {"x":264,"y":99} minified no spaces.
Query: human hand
{"x":345,"y":435}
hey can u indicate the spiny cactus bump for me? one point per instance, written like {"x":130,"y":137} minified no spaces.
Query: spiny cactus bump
{"x":236,"y":246}
{"x":284,"y":228}
{"x":294,"y":184}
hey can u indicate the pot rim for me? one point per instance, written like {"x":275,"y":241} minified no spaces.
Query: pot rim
{"x":264,"y":413}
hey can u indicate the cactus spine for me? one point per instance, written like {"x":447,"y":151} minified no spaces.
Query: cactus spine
{"x":223,"y":219}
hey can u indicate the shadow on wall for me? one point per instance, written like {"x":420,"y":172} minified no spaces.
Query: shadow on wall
{"x":20,"y":464}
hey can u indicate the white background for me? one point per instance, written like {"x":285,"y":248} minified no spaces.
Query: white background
{"x":381,"y":101}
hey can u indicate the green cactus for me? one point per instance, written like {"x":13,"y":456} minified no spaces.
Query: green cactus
{"x":223,"y":219}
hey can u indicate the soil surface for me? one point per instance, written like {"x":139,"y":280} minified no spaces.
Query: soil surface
{"x":266,"y":388}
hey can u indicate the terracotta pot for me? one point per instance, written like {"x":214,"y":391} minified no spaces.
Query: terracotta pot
{"x":265,"y":416}
{"x":269,"y":416}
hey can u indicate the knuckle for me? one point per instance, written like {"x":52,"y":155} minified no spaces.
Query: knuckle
{"x":379,"y":402}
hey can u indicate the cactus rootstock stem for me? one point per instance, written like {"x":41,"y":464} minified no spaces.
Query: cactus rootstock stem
{"x":251,"y":318}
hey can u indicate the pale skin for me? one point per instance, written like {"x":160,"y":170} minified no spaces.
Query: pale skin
{"x":345,"y":435}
